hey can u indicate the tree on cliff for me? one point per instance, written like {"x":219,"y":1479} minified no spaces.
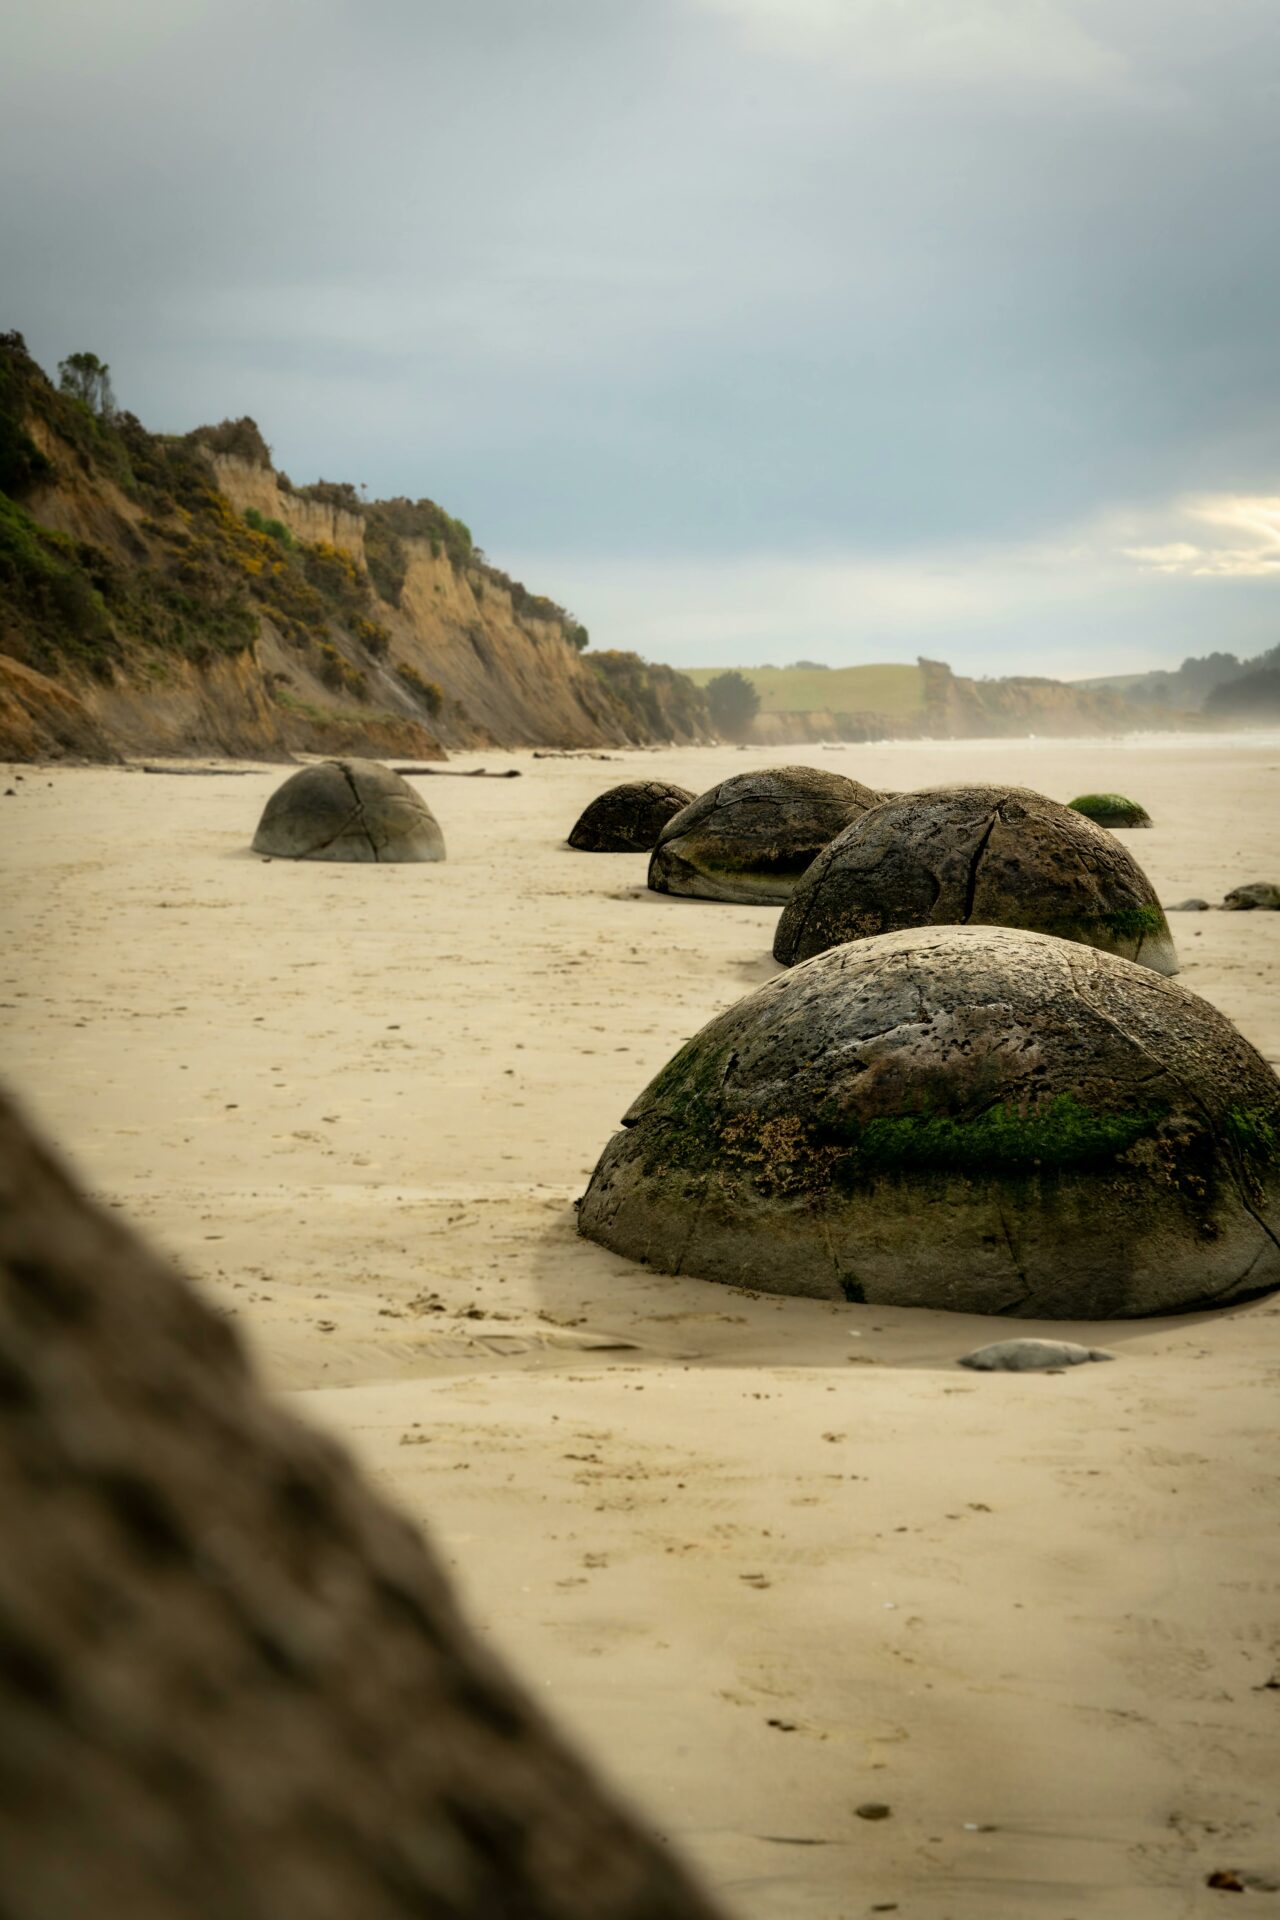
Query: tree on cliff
{"x":87,"y":378}
{"x":733,"y":704}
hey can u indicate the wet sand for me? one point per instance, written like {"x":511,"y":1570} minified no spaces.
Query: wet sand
{"x":771,"y":1560}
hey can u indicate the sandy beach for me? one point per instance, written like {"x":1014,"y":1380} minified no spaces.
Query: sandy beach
{"x":770,"y":1561}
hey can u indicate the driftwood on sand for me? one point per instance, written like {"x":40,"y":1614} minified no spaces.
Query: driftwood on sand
{"x":459,"y":773}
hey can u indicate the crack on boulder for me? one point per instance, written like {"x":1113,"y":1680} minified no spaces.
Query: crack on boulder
{"x":359,"y":814}
{"x":971,"y":884}
{"x":1019,"y":1271}
{"x":1255,"y":1215}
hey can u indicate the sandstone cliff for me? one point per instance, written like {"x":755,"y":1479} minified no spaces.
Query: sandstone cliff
{"x":177,"y":595}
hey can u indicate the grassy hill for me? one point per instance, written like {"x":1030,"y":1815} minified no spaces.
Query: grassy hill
{"x":893,"y":690}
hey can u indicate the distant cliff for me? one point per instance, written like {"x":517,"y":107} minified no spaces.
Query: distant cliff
{"x":175,"y":594}
{"x":927,"y":701}
{"x":959,"y":708}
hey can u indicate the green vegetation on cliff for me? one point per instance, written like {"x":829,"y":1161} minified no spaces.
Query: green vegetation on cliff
{"x":664,"y":702}
{"x":183,"y":573}
{"x":124,"y":552}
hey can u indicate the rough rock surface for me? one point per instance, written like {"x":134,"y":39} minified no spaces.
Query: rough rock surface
{"x":348,"y":810}
{"x":1031,"y":1356}
{"x":629,"y":818}
{"x":992,"y":856}
{"x":975,"y":1118}
{"x":750,"y":838}
{"x":1258,"y":893}
{"x":40,"y":720}
{"x":1111,"y":810}
{"x":233,"y":1683}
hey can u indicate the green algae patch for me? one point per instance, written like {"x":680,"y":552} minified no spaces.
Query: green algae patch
{"x":1123,"y":927}
{"x":1110,"y":810}
{"x":798,"y":1152}
{"x":1061,"y":1135}
{"x":1254,"y":1133}
{"x":1134,"y":923}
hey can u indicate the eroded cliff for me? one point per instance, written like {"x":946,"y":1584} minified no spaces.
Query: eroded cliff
{"x":168,"y":594}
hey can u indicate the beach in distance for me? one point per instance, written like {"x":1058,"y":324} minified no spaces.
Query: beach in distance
{"x":854,"y":1628}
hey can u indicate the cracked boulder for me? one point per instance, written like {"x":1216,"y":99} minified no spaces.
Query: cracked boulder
{"x":348,"y":810}
{"x":974,"y":1118}
{"x":750,"y":838}
{"x":990,"y":856}
{"x":629,"y":818}
{"x":234,"y":1682}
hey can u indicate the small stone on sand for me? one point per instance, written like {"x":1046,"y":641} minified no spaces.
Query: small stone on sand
{"x":1031,"y":1356}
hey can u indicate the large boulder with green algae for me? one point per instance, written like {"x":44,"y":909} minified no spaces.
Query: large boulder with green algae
{"x":963,"y":856}
{"x":750,"y":838}
{"x":629,"y":818}
{"x":974,"y":1118}
{"x":348,"y":810}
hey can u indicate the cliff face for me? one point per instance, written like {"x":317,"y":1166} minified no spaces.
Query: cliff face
{"x":959,"y":708}
{"x":177,"y":595}
{"x":252,"y":485}
{"x":953,"y":707}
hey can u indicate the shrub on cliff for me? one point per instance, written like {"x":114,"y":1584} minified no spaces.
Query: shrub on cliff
{"x":430,"y":694}
{"x":336,"y":671}
{"x":420,"y":520}
{"x":46,"y":588}
{"x":239,"y":437}
{"x":657,"y":702}
{"x":22,"y":465}
{"x":274,"y":529}
{"x":386,"y":557}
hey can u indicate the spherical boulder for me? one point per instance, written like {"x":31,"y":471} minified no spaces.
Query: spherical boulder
{"x":750,"y":838}
{"x":960,"y":856}
{"x":974,"y":1118}
{"x":629,"y":818}
{"x":1111,"y":810}
{"x":1256,"y":893}
{"x":348,"y":810}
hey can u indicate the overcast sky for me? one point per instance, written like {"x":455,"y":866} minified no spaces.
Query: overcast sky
{"x":752,"y":329}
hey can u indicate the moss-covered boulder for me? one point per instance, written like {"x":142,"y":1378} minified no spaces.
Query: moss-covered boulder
{"x":960,"y":856}
{"x":629,"y":818}
{"x":750,"y":838}
{"x":348,"y":810}
{"x":975,"y":1118}
{"x":1111,"y":810}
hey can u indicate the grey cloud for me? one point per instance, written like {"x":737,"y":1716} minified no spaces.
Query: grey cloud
{"x":691,"y":278}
